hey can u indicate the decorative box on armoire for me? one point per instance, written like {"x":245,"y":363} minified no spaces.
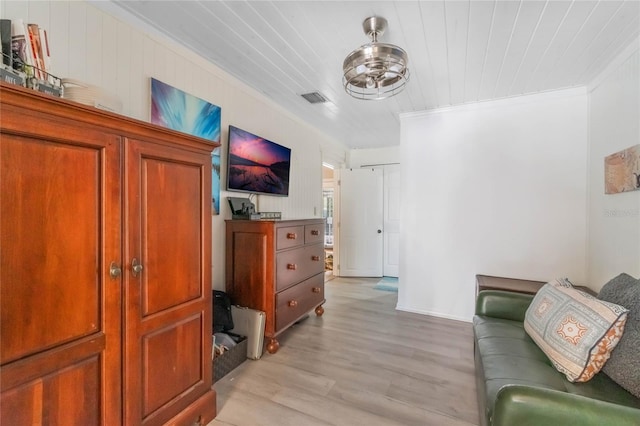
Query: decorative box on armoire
{"x":276,"y":266}
{"x":105,"y":268}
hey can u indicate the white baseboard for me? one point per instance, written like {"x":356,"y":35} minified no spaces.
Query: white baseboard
{"x":433,"y":314}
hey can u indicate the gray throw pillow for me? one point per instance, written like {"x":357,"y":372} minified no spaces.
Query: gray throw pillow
{"x":624,"y":365}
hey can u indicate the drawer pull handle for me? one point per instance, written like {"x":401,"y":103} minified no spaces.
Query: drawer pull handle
{"x":293,"y":303}
{"x":316,"y":289}
{"x":291,"y":236}
{"x":292,"y":266}
{"x":315,"y":232}
{"x":315,"y":258}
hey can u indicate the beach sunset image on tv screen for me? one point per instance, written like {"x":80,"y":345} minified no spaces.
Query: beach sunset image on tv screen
{"x":257,"y":165}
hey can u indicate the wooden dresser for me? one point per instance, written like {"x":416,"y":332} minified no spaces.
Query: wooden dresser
{"x":105,"y":268}
{"x":276,"y":267}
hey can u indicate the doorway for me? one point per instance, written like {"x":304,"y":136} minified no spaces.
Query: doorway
{"x":328,"y":209}
{"x":369,"y":217}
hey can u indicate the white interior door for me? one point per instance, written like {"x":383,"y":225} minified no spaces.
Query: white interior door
{"x":391,"y":220}
{"x":361,"y":223}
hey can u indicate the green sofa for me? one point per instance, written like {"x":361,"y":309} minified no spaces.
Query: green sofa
{"x":518,"y":386}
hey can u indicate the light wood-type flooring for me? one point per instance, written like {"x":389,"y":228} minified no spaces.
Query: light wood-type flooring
{"x":362,"y":363}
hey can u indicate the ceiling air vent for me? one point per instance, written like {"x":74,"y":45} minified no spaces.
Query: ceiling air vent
{"x":314,"y":98}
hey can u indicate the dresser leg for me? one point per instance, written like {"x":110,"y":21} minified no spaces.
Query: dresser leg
{"x":319,"y":311}
{"x":273,"y":346}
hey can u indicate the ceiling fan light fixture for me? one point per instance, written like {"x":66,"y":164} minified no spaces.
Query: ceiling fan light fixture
{"x":375,"y":70}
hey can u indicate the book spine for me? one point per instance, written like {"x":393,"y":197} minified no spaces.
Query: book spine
{"x":5,"y":36}
{"x":34,"y":38}
{"x":21,"y":46}
{"x":46,"y":54}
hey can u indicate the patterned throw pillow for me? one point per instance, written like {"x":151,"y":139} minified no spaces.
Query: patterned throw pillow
{"x":575,"y":330}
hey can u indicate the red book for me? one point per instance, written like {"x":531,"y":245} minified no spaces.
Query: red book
{"x":36,"y":48}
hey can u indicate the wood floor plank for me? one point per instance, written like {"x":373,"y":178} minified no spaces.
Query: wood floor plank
{"x":443,"y":396}
{"x":332,"y":410}
{"x":246,"y":409}
{"x":393,"y":409}
{"x":362,"y":363}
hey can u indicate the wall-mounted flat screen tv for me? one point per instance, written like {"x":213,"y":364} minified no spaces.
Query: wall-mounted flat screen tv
{"x":257,"y":165}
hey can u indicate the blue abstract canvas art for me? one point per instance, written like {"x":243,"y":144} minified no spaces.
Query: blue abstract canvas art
{"x":177,"y":110}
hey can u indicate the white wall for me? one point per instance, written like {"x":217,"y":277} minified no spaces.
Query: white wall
{"x":614,"y":124}
{"x":116,"y":54}
{"x":373,"y":156}
{"x":495,"y":188}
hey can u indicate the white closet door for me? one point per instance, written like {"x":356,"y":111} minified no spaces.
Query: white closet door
{"x":361,"y":222}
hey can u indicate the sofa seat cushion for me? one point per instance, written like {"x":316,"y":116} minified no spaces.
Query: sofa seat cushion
{"x":508,"y":356}
{"x":516,"y":348}
{"x":602,"y":387}
{"x":485,"y":326}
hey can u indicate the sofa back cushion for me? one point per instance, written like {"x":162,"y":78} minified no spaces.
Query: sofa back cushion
{"x":624,"y":365}
{"x":574,"y":329}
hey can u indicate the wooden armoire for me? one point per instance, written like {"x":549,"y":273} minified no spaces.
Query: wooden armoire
{"x":105,"y":268}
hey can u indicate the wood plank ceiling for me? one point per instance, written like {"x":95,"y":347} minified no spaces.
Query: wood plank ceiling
{"x":459,"y":51}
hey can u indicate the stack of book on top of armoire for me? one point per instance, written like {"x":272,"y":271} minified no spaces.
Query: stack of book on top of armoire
{"x":26,"y":56}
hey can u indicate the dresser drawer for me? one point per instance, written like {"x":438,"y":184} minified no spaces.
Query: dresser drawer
{"x":289,"y":236}
{"x":295,"y":265}
{"x":296,"y":301}
{"x":314,"y":233}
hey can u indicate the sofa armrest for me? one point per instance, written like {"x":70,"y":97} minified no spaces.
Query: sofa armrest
{"x":532,"y":406}
{"x":503,"y":304}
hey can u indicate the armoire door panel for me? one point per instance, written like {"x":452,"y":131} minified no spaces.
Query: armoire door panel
{"x":69,"y":396}
{"x":171,"y":234}
{"x":31,"y":368}
{"x":50,"y":252}
{"x":173,"y":360}
{"x":59,"y":307}
{"x":167,"y":341}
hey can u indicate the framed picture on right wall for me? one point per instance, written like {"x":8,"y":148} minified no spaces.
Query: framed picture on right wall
{"x":622,"y":171}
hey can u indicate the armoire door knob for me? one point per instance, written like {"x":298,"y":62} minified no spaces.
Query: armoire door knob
{"x":136,"y":267}
{"x":115,"y":270}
